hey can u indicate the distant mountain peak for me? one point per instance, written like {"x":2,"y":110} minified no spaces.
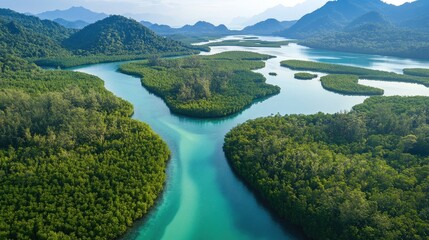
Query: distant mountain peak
{"x":203,"y":27}
{"x":79,"y":24}
{"x":281,"y":13}
{"x":334,"y":15}
{"x":271,"y":20}
{"x":203,"y":24}
{"x":76,"y":13}
{"x":200,"y":28}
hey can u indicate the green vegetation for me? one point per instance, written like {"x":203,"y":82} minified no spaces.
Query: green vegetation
{"x":362,"y":73}
{"x":420,"y":72}
{"x":117,"y":35}
{"x":50,"y":29}
{"x":348,"y":84}
{"x":205,"y":86}
{"x":251,"y":38}
{"x":272,"y":74}
{"x":374,"y":39}
{"x":115,"y":38}
{"x":72,"y":61}
{"x":30,"y":37}
{"x":73,"y":165}
{"x":305,"y":76}
{"x":248,"y":43}
{"x":357,"y":175}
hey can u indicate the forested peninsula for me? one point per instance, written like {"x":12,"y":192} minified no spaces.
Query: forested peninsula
{"x":357,"y":175}
{"x":345,"y":79}
{"x":73,"y":164}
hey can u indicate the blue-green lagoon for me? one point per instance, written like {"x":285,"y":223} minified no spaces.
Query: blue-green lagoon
{"x":203,"y":199}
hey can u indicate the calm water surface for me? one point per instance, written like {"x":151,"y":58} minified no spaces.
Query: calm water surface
{"x":203,"y":199}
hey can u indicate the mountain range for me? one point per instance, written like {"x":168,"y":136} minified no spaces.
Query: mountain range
{"x":267,"y":27}
{"x":332,"y":16}
{"x":112,"y":38}
{"x":200,"y":28}
{"x":336,"y":15}
{"x":367,"y":26}
{"x":79,"y":17}
{"x":384,"y":29}
{"x":73,"y":14}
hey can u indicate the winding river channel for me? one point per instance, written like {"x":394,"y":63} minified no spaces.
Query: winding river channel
{"x":203,"y":199}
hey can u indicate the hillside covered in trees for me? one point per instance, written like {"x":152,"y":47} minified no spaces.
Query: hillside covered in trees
{"x":120,"y":35}
{"x":374,"y":38}
{"x":73,"y":165}
{"x":114,"y":38}
{"x":357,"y":175}
{"x":29,"y":37}
{"x":205,"y":86}
{"x":366,"y":26}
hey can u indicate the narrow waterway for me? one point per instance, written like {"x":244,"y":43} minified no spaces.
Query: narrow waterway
{"x":203,"y":199}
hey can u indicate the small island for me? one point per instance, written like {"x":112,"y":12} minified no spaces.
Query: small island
{"x":305,"y":76}
{"x":205,"y":86}
{"x":272,"y":74}
{"x":362,"y":73}
{"x":348,"y":85}
{"x":338,"y":175}
{"x":344,"y":79}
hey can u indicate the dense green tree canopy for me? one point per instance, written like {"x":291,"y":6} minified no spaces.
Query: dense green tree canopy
{"x":73,"y":165}
{"x":115,"y":38}
{"x":357,"y":175}
{"x":348,"y":85}
{"x":205,"y":86}
{"x":117,"y":35}
{"x":29,"y":37}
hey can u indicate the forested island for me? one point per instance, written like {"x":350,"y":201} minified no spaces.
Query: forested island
{"x":348,"y":85}
{"x":73,"y":164}
{"x":357,"y":175}
{"x":205,"y":86}
{"x":305,"y":76}
{"x":344,"y":79}
{"x":249,"y":43}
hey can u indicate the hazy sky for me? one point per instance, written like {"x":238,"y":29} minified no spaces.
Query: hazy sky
{"x":174,"y":12}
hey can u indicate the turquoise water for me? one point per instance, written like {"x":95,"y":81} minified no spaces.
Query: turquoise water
{"x":203,"y":199}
